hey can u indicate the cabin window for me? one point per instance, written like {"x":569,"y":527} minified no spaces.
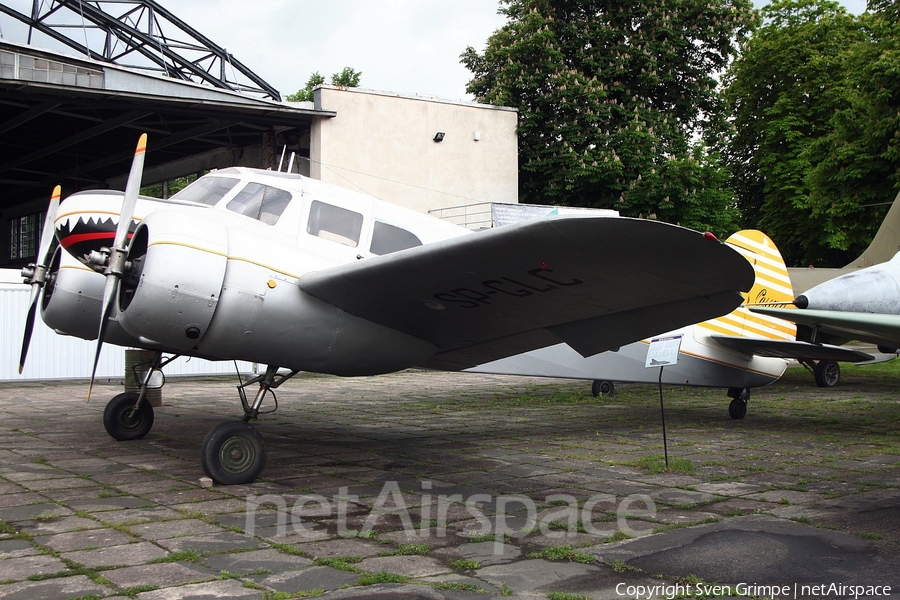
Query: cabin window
{"x":260,"y":202}
{"x":390,"y":238}
{"x":334,"y":223}
{"x":207,"y":190}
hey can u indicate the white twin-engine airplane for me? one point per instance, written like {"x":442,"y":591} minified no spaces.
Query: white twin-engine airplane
{"x":278,"y":269}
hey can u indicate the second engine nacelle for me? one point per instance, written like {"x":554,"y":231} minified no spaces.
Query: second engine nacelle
{"x":173,"y":282}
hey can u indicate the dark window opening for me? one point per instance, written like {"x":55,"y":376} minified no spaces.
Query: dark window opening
{"x":390,"y":238}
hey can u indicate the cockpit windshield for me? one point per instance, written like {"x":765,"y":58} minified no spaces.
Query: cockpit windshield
{"x":207,"y":190}
{"x":261,"y":202}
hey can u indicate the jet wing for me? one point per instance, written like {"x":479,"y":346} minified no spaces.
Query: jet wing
{"x":595,"y":283}
{"x":881,"y":329}
{"x":791,"y":349}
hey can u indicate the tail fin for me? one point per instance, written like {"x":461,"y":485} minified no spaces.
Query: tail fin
{"x":886,"y":242}
{"x":773,"y":285}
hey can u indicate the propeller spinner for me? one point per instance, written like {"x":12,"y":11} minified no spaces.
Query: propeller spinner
{"x":36,"y":273}
{"x":112,"y":261}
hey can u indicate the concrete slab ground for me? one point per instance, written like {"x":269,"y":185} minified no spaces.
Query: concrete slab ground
{"x":450,"y":485}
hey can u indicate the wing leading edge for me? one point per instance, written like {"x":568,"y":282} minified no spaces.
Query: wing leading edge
{"x":595,"y":283}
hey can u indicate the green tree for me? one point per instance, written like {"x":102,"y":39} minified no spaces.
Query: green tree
{"x":782,"y":93}
{"x":857,"y":165}
{"x":346,"y":78}
{"x":612,"y":96}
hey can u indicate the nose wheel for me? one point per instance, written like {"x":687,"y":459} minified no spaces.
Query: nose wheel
{"x":233,"y":453}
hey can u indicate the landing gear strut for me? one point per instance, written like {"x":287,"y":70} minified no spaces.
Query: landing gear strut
{"x":740,"y":398}
{"x":129,"y":416}
{"x":233,"y":451}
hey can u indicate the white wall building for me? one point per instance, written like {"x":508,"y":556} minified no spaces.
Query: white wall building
{"x":386,"y":145}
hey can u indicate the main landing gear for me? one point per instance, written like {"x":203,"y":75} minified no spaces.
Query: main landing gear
{"x":129,"y":416}
{"x":827,"y":373}
{"x":233,"y":452}
{"x":740,"y":398}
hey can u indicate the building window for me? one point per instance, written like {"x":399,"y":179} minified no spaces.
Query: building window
{"x":23,"y":236}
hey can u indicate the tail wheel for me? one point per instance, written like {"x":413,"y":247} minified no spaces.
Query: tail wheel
{"x":603,"y":387}
{"x":737,"y":409}
{"x":233,"y":453}
{"x":125,"y":422}
{"x":827,"y":373}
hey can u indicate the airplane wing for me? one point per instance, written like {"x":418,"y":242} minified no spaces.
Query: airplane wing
{"x":595,"y":283}
{"x":791,"y":349}
{"x":881,"y":329}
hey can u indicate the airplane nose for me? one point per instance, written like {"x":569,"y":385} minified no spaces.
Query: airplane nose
{"x":872,"y":290}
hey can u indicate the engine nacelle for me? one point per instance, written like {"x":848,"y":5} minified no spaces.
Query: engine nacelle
{"x":171,"y":288}
{"x":71,"y":301}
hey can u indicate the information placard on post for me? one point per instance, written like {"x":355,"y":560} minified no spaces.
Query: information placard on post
{"x":663,"y":351}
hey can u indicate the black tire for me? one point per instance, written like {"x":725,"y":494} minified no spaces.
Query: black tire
{"x":233,"y":453}
{"x":737,"y":409}
{"x":827,"y":373}
{"x":603,"y":387}
{"x":124,"y":423}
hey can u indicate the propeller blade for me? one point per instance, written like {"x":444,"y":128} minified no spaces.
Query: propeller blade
{"x":118,"y":252}
{"x":38,"y":277}
{"x":132,"y":188}
{"x":29,"y":325}
{"x":43,"y":257}
{"x":108,"y":296}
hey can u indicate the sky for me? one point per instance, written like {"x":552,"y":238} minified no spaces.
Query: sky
{"x":403,"y":46}
{"x":409,"y":47}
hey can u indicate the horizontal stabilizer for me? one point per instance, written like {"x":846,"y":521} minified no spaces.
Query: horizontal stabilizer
{"x":792,"y":349}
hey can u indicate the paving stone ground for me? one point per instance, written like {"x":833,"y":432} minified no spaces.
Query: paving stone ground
{"x":450,"y":485}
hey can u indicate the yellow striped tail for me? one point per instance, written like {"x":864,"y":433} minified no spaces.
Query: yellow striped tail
{"x":772,"y":286}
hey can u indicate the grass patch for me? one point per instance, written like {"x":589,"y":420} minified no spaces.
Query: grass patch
{"x":459,"y":586}
{"x":565,"y":596}
{"x":465,"y":565}
{"x":132,"y":592}
{"x":564,"y":553}
{"x":341,"y":563}
{"x":871,"y":535}
{"x":656,"y":463}
{"x":381,"y":577}
{"x":190,"y":556}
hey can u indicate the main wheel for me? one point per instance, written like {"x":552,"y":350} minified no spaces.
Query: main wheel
{"x":232,"y":453}
{"x":123,"y":422}
{"x":827,"y":373}
{"x":737,"y":409}
{"x":603,"y":387}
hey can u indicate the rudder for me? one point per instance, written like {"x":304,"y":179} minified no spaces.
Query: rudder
{"x":772,"y":286}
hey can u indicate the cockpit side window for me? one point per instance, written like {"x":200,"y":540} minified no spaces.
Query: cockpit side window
{"x":207,"y":190}
{"x":390,"y":238}
{"x":334,"y":223}
{"x":260,"y":202}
